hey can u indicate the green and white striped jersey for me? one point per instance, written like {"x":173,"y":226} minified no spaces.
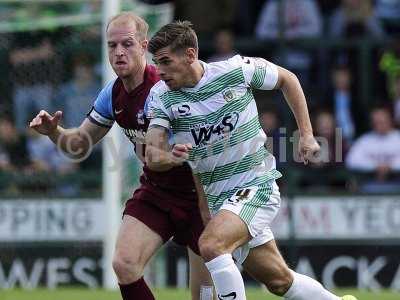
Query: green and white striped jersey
{"x":219,"y":118}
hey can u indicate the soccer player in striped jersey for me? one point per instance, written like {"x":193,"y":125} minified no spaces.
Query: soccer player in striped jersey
{"x":212,"y":114}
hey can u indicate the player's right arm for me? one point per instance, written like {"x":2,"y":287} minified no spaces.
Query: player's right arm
{"x":76,"y":142}
{"x":159,"y":156}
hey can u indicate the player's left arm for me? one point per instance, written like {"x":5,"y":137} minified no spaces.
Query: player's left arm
{"x":262,"y":74}
{"x":290,"y":86}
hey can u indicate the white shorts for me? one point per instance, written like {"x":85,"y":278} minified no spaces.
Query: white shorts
{"x":257,"y":206}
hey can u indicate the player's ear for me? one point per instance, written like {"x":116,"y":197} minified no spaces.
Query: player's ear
{"x":191,"y":55}
{"x":144,"y":45}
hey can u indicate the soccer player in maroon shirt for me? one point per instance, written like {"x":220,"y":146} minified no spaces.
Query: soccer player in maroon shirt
{"x":165,"y":205}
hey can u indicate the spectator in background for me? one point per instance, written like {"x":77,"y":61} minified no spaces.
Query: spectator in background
{"x":4,"y":160}
{"x":43,"y":151}
{"x":377,"y":152}
{"x":6,"y":168}
{"x":53,"y":161}
{"x":30,"y":156}
{"x":35,"y":69}
{"x":4,"y":163}
{"x":76,"y":97}
{"x":388,"y":11}
{"x":19,"y":171}
{"x":355,"y":18}
{"x":302,"y":19}
{"x":328,"y":166}
{"x":333,"y":147}
{"x":16,"y":156}
{"x":342,"y":101}
{"x":223,"y":43}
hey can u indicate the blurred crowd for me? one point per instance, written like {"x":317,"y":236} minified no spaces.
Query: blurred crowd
{"x":359,"y":137}
{"x":41,"y":76}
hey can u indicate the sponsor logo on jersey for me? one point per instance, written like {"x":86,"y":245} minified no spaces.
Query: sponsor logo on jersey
{"x":140,"y":117}
{"x":203,"y":133}
{"x":184,"y":110}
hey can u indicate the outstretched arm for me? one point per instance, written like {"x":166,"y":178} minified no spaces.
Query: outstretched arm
{"x":75,"y":141}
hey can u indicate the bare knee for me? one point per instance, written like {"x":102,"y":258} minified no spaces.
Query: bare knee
{"x":280,"y":284}
{"x":127,"y":268}
{"x":211,"y":247}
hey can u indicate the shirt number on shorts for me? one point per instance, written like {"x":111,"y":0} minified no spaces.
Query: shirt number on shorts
{"x":240,"y":196}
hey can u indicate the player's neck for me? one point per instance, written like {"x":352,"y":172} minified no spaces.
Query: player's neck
{"x":132,"y":82}
{"x":196,"y":73}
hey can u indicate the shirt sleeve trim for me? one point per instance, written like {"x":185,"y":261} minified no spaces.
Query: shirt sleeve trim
{"x":99,"y":119}
{"x":160,"y":122}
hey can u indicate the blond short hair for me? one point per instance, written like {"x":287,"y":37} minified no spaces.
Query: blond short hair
{"x":125,"y":17}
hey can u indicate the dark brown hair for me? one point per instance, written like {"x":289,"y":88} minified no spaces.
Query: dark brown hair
{"x":179,"y":35}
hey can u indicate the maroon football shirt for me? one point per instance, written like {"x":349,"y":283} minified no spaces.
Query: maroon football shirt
{"x":127,"y":109}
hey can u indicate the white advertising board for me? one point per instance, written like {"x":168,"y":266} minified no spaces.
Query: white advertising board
{"x":361,"y":217}
{"x":52,"y":220}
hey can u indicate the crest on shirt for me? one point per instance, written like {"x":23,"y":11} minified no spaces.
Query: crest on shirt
{"x":140,"y":117}
{"x":229,"y":95}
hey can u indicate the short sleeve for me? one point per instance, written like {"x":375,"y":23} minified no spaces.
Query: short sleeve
{"x":258,"y":72}
{"x":156,"y":112}
{"x":101,"y":112}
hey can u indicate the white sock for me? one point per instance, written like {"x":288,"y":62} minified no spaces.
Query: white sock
{"x":227,"y":279}
{"x":306,"y":288}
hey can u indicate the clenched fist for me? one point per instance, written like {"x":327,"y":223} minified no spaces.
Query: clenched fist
{"x":308,"y":148}
{"x":181,"y":151}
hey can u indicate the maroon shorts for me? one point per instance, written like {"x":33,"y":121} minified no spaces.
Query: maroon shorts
{"x":167,"y":215}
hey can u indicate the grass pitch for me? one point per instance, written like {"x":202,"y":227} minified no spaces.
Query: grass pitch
{"x":161,"y":294}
